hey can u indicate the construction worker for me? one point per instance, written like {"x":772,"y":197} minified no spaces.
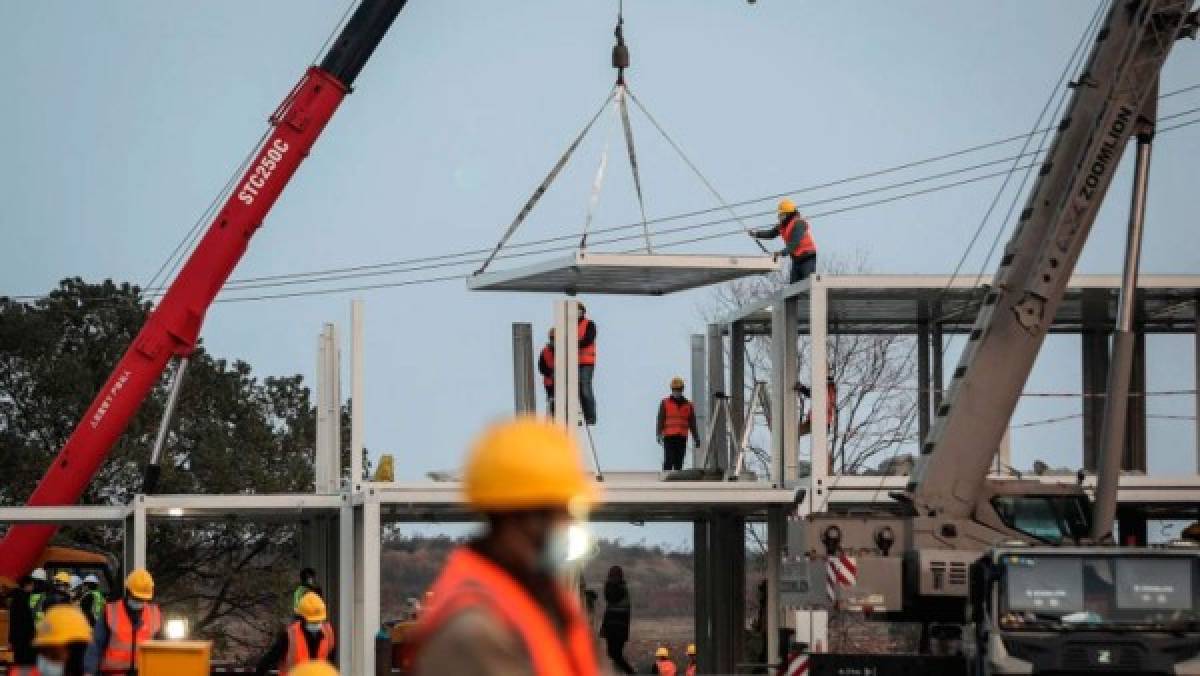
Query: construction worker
{"x":587,"y":365}
{"x":313,"y":668}
{"x":21,"y":625}
{"x":614,"y":626}
{"x":127,"y":624}
{"x":691,"y":663}
{"x":546,"y":368}
{"x":76,"y":588}
{"x":663,"y":666}
{"x":61,"y":591}
{"x":499,"y":605}
{"x":797,"y":238}
{"x":676,"y":417}
{"x":62,"y":637}
{"x":37,"y":599}
{"x":308,"y":583}
{"x":92,"y":601}
{"x":307,"y":638}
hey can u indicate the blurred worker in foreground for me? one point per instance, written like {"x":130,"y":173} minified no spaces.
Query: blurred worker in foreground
{"x":62,"y":638}
{"x":499,"y":606}
{"x":308,"y":583}
{"x":307,"y":638}
{"x":126,"y":625}
{"x":798,"y":242}
{"x":676,"y":417}
{"x":614,"y":626}
{"x":546,"y":368}
{"x":313,"y":668}
{"x":691,"y":663}
{"x":587,"y":365}
{"x":92,"y":601}
{"x":21,"y":624}
{"x":663,"y":666}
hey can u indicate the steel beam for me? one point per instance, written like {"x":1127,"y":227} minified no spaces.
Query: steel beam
{"x":357,"y":393}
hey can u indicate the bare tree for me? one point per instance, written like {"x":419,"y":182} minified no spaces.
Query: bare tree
{"x":873,"y":377}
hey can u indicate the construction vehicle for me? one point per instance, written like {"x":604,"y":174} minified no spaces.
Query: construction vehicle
{"x":171,"y":330}
{"x":914,"y":561}
{"x":79,"y":562}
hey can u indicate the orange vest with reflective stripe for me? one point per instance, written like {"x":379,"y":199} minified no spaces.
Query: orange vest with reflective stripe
{"x":676,"y":418}
{"x":665,"y":666}
{"x":587,"y":355}
{"x":23,"y":671}
{"x":297,"y":650}
{"x":123,"y":640}
{"x":806,"y":246}
{"x":471,"y":581}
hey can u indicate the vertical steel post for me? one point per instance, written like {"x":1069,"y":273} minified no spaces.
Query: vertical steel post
{"x":357,"y":388}
{"x":699,"y":389}
{"x":701,"y":590}
{"x":776,"y":540}
{"x":818,"y":331}
{"x":1124,"y":339}
{"x":737,"y":376}
{"x":1196,"y":379}
{"x":154,"y":469}
{"x":328,"y":460}
{"x":923,"y":348}
{"x":936,"y":351}
{"x":138,"y":523}
{"x":524,"y":393}
{"x":368,"y":534}
{"x":347,"y":582}
{"x":784,"y":365}
{"x":1094,"y":353}
{"x":718,"y":445}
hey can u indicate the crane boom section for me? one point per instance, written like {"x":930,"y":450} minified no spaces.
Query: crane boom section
{"x":174,"y":325}
{"x":1122,"y":69}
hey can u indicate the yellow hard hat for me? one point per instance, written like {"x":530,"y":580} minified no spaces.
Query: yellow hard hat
{"x":63,"y":624}
{"x":662,"y":652}
{"x":526,"y":463}
{"x":311,"y":608}
{"x":786,"y":206}
{"x":63,"y":577}
{"x":313,"y":668}
{"x":140,"y":585}
{"x":677,"y":383}
{"x":691,"y":649}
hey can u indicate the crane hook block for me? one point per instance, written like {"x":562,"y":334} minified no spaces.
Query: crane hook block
{"x":620,"y":56}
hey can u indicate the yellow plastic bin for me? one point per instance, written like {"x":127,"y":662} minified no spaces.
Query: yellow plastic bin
{"x":174,"y":658}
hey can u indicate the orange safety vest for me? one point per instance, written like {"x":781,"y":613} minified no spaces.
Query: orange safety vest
{"x":587,"y":355}
{"x":123,"y":640}
{"x":677,"y":418}
{"x":807,"y":245}
{"x":297,"y":651}
{"x":23,"y":671}
{"x":665,"y":666}
{"x":548,"y":357}
{"x":691,"y":669}
{"x":471,"y":581}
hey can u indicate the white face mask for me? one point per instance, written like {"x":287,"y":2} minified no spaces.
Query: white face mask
{"x":553,"y":557}
{"x":312,"y":627}
{"x":48,"y":667}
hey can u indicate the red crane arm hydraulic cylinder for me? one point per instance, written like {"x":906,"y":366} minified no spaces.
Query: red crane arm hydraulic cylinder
{"x":174,"y":325}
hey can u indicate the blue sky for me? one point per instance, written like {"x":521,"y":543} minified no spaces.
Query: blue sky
{"x":125,"y":117}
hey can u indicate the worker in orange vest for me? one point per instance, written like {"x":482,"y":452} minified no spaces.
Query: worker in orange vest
{"x":676,"y":417}
{"x":691,"y":665}
{"x":127,"y":624}
{"x":61,"y":641}
{"x":797,"y":237}
{"x":306,"y":638}
{"x":546,"y":368}
{"x":499,"y":606}
{"x":663,"y":666}
{"x":587,"y":365}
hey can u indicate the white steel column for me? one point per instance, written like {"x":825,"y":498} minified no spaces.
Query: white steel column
{"x":367,"y":534}
{"x":1196,"y":382}
{"x":718,"y":446}
{"x":138,"y":521}
{"x":347,"y":575}
{"x":566,"y":364}
{"x":699,"y":389}
{"x":357,"y":417}
{"x":818,"y":322}
{"x":328,"y":460}
{"x":776,"y":540}
{"x":784,"y":364}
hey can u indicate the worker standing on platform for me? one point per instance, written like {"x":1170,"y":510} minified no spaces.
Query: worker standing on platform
{"x":308,"y":637}
{"x":587,"y":365}
{"x":663,"y":666}
{"x":62,"y":638}
{"x":499,"y":605}
{"x":676,"y":417}
{"x":797,"y":240}
{"x":546,"y":368}
{"x":126,"y":625}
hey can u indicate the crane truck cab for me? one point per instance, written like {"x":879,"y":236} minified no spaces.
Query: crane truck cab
{"x":1086,"y":610}
{"x":75,"y":561}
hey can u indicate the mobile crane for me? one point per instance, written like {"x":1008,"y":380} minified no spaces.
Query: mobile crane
{"x":171,"y":330}
{"x":916,"y":561}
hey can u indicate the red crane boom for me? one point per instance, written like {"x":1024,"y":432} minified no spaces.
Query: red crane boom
{"x":174,"y":325}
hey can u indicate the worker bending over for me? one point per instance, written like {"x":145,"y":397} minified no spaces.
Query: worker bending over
{"x":663,"y":666}
{"x":308,"y":637}
{"x":546,"y":368}
{"x":676,"y":417}
{"x":797,"y":240}
{"x":499,"y":607}
{"x":587,"y":365}
{"x":61,"y":640}
{"x":127,"y":624}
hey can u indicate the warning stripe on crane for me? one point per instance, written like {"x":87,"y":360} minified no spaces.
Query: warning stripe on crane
{"x":841,"y":572}
{"x":797,"y":665}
